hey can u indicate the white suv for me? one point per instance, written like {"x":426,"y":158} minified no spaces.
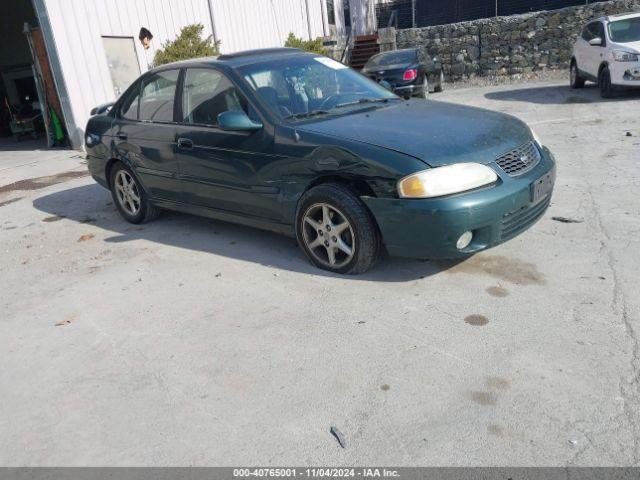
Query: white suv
{"x":608,"y":52}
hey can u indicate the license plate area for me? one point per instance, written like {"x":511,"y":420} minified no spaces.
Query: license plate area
{"x":541,"y":187}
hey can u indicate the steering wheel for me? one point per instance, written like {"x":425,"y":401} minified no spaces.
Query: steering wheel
{"x":332,"y":100}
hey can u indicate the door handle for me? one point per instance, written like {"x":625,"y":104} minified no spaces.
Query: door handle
{"x":185,"y":143}
{"x":122,"y":136}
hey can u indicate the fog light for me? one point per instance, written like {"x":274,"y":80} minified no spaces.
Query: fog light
{"x":464,"y":240}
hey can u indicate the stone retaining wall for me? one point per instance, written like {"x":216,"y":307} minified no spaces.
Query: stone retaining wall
{"x":514,"y":45}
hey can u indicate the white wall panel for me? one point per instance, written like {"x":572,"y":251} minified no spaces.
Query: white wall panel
{"x":247,"y":24}
{"x":78,"y":27}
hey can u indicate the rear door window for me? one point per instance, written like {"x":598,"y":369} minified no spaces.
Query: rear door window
{"x":129,"y":109}
{"x":157,"y":97}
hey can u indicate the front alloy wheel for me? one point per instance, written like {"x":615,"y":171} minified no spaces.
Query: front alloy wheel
{"x":604,"y":82}
{"x":335,"y":229}
{"x":440,"y":86}
{"x":328,"y":235}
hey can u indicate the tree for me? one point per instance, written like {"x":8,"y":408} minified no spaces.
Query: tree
{"x":313,"y":46}
{"x":189,"y":44}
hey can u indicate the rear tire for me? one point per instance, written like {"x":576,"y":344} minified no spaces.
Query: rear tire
{"x":604,"y":83}
{"x":440,"y":86}
{"x":575,"y":80}
{"x":331,"y":218}
{"x":424,"y":91}
{"x":129,"y":196}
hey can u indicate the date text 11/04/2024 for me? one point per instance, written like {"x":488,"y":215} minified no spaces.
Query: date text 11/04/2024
{"x":315,"y":472}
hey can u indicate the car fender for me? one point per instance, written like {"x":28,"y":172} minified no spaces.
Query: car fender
{"x":312,"y":158}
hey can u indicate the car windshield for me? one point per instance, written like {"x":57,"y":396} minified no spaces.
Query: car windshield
{"x":398,"y":57}
{"x":625,"y":31}
{"x":304,"y":86}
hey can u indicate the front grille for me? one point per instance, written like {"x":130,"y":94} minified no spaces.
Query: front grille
{"x":520,"y":160}
{"x":515,"y":222}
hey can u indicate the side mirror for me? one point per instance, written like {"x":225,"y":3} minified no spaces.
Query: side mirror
{"x":100,"y":109}
{"x":595,"y":42}
{"x":237,"y":121}
{"x":385,"y":84}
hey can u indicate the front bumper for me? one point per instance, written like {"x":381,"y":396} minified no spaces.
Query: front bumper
{"x":430,"y":228}
{"x":625,"y":73}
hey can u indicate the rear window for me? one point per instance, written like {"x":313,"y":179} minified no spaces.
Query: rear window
{"x":398,"y":57}
{"x":158,"y":93}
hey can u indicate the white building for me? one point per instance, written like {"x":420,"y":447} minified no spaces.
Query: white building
{"x":93,"y":52}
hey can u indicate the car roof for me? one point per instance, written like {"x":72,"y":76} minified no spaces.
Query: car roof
{"x":620,"y":16}
{"x":246,"y":57}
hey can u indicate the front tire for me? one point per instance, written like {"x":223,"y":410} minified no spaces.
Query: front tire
{"x":129,"y":196}
{"x":575,"y":80}
{"x":604,"y":83}
{"x":440,"y":86}
{"x":336,"y":231}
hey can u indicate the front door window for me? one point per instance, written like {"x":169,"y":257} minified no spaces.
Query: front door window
{"x":208,"y":93}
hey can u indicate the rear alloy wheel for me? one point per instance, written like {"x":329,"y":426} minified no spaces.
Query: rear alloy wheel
{"x":604,"y":83}
{"x":575,"y":80}
{"x":424,"y":91}
{"x":336,"y":230}
{"x":440,"y":86}
{"x":129,"y":196}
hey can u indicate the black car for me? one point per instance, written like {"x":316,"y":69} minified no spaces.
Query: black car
{"x":409,"y":72}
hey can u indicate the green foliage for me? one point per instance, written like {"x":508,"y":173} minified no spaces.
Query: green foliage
{"x":313,"y":46}
{"x":189,"y":44}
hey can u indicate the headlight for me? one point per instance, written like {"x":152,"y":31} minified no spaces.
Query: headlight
{"x":535,"y":136}
{"x":622,"y":56}
{"x":440,"y":181}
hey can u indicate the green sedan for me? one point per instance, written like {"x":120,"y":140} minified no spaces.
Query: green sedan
{"x":300,"y":144}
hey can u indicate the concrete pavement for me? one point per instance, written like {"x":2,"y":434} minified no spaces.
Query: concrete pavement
{"x":193,"y":342}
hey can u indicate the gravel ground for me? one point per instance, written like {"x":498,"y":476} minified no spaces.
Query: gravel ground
{"x":540,"y":76}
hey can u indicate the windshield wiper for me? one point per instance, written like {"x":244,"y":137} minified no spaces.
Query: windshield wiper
{"x":310,"y":114}
{"x":363,"y":101}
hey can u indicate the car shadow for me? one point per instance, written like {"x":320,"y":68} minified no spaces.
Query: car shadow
{"x":92,"y":204}
{"x":560,"y":95}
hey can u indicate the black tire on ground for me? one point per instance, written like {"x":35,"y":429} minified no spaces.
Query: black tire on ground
{"x":440,"y":85}
{"x":575,"y":80}
{"x":604,"y":83}
{"x":424,"y":91}
{"x":365,"y":240}
{"x":146,"y":211}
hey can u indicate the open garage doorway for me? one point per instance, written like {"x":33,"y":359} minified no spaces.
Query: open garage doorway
{"x":30,"y":113}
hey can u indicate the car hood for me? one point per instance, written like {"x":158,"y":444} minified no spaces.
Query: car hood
{"x":437,"y":133}
{"x":629,"y":46}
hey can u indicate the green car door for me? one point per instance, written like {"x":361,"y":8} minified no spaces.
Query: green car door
{"x":144,"y":134}
{"x":221,"y":169}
